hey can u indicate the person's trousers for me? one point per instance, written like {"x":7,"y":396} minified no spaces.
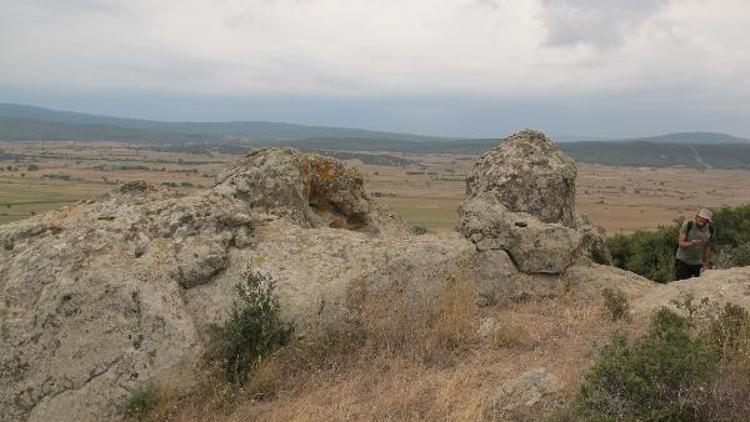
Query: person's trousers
{"x":683,"y":270}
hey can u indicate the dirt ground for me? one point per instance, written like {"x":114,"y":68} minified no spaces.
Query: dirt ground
{"x":47,"y":175}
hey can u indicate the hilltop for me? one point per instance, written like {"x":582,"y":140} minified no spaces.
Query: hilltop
{"x":109,"y":295}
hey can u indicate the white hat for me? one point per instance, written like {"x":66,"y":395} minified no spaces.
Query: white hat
{"x":706,"y":213}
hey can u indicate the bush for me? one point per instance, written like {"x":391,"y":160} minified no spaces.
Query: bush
{"x":419,"y":229}
{"x":616,"y":304}
{"x":647,"y":253}
{"x":254,"y":328}
{"x":693,"y":366}
{"x":651,"y":253}
{"x":731,"y":328}
{"x":646,"y":379}
{"x":141,"y":402}
{"x":738,"y":256}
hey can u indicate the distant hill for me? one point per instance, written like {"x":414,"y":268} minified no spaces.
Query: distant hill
{"x":102,"y":127}
{"x":703,"y":138}
{"x":724,"y":156}
{"x":27,"y":123}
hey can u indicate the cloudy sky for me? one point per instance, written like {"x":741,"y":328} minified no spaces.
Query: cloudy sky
{"x":604,"y":68}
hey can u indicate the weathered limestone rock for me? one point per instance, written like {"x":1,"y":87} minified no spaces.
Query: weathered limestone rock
{"x":101,"y":296}
{"x":535,"y":247}
{"x":731,"y":285}
{"x":494,"y":274}
{"x":520,"y":198}
{"x":521,"y":398}
{"x":309,"y":189}
{"x":528,"y":173}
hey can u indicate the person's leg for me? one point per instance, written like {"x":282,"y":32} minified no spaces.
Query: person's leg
{"x":681,"y":270}
{"x":695,"y":270}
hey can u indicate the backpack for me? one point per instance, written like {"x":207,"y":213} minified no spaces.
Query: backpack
{"x":711,"y":230}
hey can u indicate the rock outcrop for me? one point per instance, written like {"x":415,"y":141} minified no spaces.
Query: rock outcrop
{"x":310,"y":190}
{"x":99,"y":296}
{"x":104,"y":295}
{"x":520,"y":197}
{"x":528,"y":173}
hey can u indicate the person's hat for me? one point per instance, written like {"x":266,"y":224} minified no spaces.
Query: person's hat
{"x":706,"y":213}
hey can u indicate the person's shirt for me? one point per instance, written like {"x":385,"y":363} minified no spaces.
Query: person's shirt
{"x":693,"y":255}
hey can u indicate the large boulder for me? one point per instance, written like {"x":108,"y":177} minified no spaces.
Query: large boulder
{"x":527,"y":173}
{"x":520,"y":198}
{"x":309,"y":189}
{"x":534,"y":246}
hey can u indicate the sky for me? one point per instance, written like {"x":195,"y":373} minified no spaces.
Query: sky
{"x":480,"y":68}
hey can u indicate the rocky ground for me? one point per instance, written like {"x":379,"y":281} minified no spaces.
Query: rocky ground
{"x":101,"y":297}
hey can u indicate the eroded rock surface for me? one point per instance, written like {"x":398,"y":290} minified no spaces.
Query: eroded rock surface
{"x":102,"y":296}
{"x":98,"y":297}
{"x":521,"y":399}
{"x":528,"y":173}
{"x":520,"y":198}
{"x":309,"y":189}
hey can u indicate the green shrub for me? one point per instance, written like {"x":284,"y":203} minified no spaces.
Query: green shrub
{"x":651,"y":253}
{"x":254,"y":328}
{"x":646,"y":379}
{"x":647,"y":253}
{"x":738,"y":256}
{"x":141,"y":401}
{"x":616,"y":304}
{"x":695,"y":309}
{"x":419,"y":229}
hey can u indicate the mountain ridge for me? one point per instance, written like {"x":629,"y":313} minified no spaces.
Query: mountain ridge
{"x":254,"y":130}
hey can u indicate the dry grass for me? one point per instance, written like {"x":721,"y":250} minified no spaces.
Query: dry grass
{"x":423,"y":363}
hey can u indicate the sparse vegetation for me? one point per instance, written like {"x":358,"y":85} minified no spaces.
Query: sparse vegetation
{"x":651,"y":253}
{"x":692,"y":366}
{"x":616,"y":304}
{"x":253,"y":330}
{"x":141,"y":401}
{"x":419,"y":229}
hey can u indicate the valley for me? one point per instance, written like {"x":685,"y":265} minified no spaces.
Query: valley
{"x":423,"y":188}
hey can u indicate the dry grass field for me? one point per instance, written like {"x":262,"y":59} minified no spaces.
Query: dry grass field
{"x":435,"y":366}
{"x":39,"y":176}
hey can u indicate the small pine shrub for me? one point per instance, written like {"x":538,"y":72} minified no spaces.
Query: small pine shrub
{"x":254,"y":328}
{"x":616,"y":304}
{"x":141,"y":402}
{"x":693,"y":308}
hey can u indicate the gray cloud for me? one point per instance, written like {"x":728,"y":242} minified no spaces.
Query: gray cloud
{"x":601,"y":23}
{"x":488,"y":52}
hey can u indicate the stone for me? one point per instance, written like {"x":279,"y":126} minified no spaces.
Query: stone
{"x":527,"y":173}
{"x":534,"y":247}
{"x":522,"y":397}
{"x":520,"y":198}
{"x":103,"y":296}
{"x":309,"y":189}
{"x":493,"y":269}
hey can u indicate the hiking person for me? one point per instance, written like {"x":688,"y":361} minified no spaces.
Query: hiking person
{"x":694,"y":246}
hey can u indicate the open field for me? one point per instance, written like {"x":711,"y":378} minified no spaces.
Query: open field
{"x":39,"y":176}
